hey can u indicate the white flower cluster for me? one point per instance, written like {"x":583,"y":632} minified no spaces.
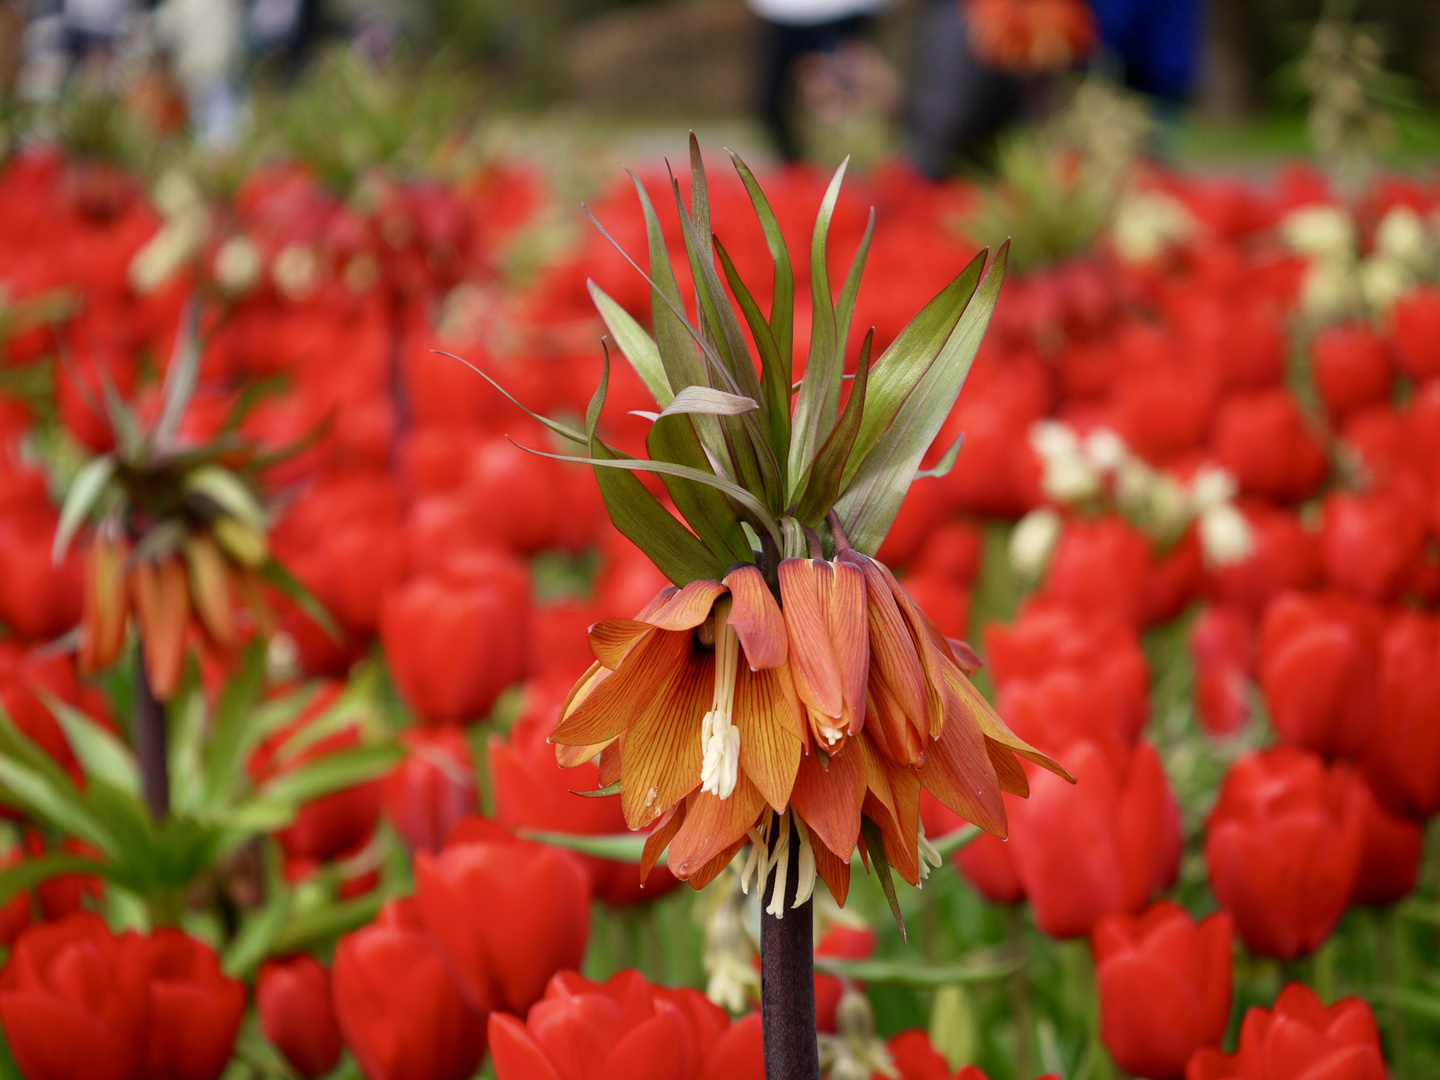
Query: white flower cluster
{"x":1340,"y":281}
{"x":1149,"y":223}
{"x":1099,"y":470}
{"x":180,"y":237}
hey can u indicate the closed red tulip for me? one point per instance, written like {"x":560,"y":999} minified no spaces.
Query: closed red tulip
{"x":1100,"y":566}
{"x":738,"y":1054}
{"x":1317,"y":667}
{"x":1402,"y":753}
{"x":1283,"y":847}
{"x":38,"y":599}
{"x":1299,"y":1039}
{"x":74,"y":1001}
{"x":333,"y":824}
{"x":504,"y":915}
{"x":1415,"y":332}
{"x":1222,"y":645}
{"x":1390,"y":862}
{"x":1352,"y":367}
{"x":985,"y":861}
{"x":1164,"y":983}
{"x":533,"y":792}
{"x":455,"y":637}
{"x":1047,"y":641}
{"x":432,"y":789}
{"x":1264,"y":442}
{"x":1105,"y":846}
{"x":297,"y":1015}
{"x":399,"y":1013}
{"x":1284,"y":556}
{"x":1370,"y":544}
{"x":623,"y":1028}
{"x":195,"y":1010}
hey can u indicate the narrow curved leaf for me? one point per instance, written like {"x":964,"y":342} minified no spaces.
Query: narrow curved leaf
{"x":333,"y":772}
{"x":638,"y":346}
{"x":981,"y":965}
{"x":946,"y":462}
{"x":823,"y":485}
{"x":622,"y":847}
{"x":704,"y":400}
{"x":775,"y":370}
{"x":782,"y":299}
{"x":875,"y":845}
{"x":100,"y":754}
{"x":554,"y":425}
{"x":845,"y":306}
{"x":709,"y":513}
{"x":85,"y":491}
{"x":28,"y":873}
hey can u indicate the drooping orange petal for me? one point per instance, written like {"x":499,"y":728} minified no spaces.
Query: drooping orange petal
{"x":828,"y":796}
{"x":903,"y":858}
{"x":757,"y":619}
{"x":689,"y":607}
{"x":660,"y":836}
{"x":615,"y":703}
{"x":958,"y":772}
{"x":812,"y":657}
{"x":210,"y":589}
{"x":713,"y":824}
{"x":1011,"y":776}
{"x":893,"y":656}
{"x":931,"y":660}
{"x":662,"y":751}
{"x":610,"y":764}
{"x":162,"y":602}
{"x":990,"y":724}
{"x":711,"y":870}
{"x":833,"y":870}
{"x":965,"y":656}
{"x":568,"y":757}
{"x":612,"y":639}
{"x":841,"y":589}
{"x":892,"y":728}
{"x":766,"y":712}
{"x":106,"y":606}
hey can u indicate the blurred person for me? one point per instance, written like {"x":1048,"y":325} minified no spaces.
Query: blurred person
{"x":799,"y":29}
{"x":205,"y":41}
{"x":285,"y":29}
{"x":93,"y":27}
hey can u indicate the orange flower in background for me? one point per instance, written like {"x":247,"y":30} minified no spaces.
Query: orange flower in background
{"x":1030,"y":37}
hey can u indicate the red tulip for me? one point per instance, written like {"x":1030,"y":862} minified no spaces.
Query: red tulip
{"x":1283,"y":847}
{"x":63,"y":894}
{"x":985,"y":862}
{"x":533,"y":792}
{"x":946,"y":603}
{"x":1164,"y":984}
{"x":1299,"y":1039}
{"x":1371,"y":543}
{"x":297,"y":1015}
{"x":915,"y":1057}
{"x":1222,"y":645}
{"x":16,"y":913}
{"x":1317,"y":665}
{"x":73,"y":1001}
{"x":334,"y":824}
{"x":1402,"y":752}
{"x":1100,"y":566}
{"x":738,"y":1054}
{"x":342,"y":539}
{"x":1104,"y":846}
{"x":195,"y":1011}
{"x":504,"y":914}
{"x":398,"y":1011}
{"x":1352,"y":367}
{"x":1390,"y":862}
{"x":624,"y":1028}
{"x":1264,"y":442}
{"x":845,"y":943}
{"x":455,"y":637}
{"x":1047,"y":641}
{"x":1415,"y":323}
{"x":37,"y":598}
{"x":432,"y":789}
{"x":1285,"y":556}
{"x":952,"y":551}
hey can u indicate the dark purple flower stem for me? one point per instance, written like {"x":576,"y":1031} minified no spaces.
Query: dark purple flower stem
{"x":787,"y":982}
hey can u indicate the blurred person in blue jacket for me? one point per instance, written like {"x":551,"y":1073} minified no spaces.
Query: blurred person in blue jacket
{"x":961,"y":96}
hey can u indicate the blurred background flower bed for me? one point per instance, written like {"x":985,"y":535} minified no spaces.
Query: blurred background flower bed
{"x":1193,"y":531}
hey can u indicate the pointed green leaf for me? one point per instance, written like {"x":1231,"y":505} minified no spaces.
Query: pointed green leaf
{"x":328,"y":921}
{"x":981,"y":965}
{"x":823,"y":485}
{"x":30,"y":779}
{"x":673,"y":438}
{"x":621,"y":847}
{"x":638,"y":346}
{"x":775,"y":372}
{"x":229,"y":493}
{"x":699,"y":189}
{"x":181,"y":375}
{"x":100,"y":754}
{"x":333,"y":772}
{"x":555,"y":426}
{"x":822,"y":370}
{"x":845,"y":306}
{"x":782,"y":301}
{"x":273,"y":573}
{"x":257,"y":936}
{"x":89,"y":484}
{"x":706,"y":401}
{"x":905,"y":362}
{"x":682,"y":367}
{"x":868,"y":506}
{"x":875,"y":845}
{"x":946,"y":462}
{"x":28,"y":873}
{"x":222,"y":762}
{"x":612,"y":788}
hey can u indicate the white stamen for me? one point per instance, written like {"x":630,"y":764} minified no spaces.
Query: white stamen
{"x":929,"y":856}
{"x":720,"y":738}
{"x":770,"y":851}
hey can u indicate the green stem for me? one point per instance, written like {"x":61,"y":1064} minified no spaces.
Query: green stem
{"x":1021,"y":1012}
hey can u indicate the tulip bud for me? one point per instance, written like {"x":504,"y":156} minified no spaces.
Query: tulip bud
{"x":292,"y":996}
